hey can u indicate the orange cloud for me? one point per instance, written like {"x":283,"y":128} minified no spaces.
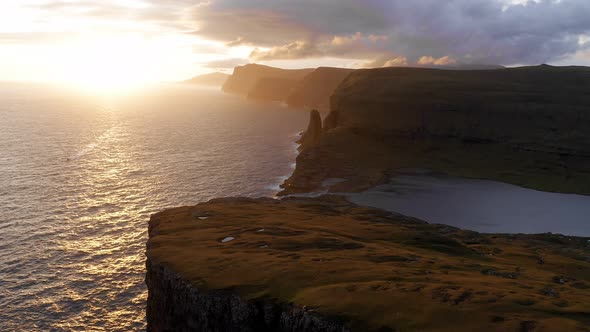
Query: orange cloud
{"x":442,"y":61}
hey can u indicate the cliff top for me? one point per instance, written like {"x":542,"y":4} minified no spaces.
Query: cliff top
{"x":541,"y":84}
{"x":375,"y":269}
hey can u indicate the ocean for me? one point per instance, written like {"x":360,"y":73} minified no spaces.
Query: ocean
{"x":80,"y":176}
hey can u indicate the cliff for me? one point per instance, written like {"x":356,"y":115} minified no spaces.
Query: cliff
{"x":272,"y":89}
{"x":526,"y":126}
{"x":315,"y":90}
{"x":540,"y":107}
{"x":213,"y":79}
{"x":253,"y":79}
{"x":174,"y":304}
{"x":297,"y":88}
{"x":324,"y":264}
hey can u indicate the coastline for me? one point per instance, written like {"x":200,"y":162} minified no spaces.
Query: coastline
{"x":379,"y":270}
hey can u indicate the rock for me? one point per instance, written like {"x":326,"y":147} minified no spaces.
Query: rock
{"x":549,"y":291}
{"x":331,"y":121}
{"x":176,"y":305}
{"x":313,"y":133}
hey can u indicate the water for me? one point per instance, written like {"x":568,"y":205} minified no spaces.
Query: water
{"x":480,"y":205}
{"x":80,"y":176}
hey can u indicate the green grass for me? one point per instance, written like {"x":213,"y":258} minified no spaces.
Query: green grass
{"x":375,"y":270}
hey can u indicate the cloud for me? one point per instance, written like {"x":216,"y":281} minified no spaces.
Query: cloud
{"x":294,"y":50}
{"x":400,"y":61}
{"x":229,"y":63}
{"x":343,"y":46}
{"x":454,"y":31}
{"x":442,"y":61}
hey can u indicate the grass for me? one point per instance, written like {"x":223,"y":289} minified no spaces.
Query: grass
{"x":366,"y":160}
{"x":375,"y":270}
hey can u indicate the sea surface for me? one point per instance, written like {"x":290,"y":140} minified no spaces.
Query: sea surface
{"x":481,"y":205}
{"x":80,"y":176}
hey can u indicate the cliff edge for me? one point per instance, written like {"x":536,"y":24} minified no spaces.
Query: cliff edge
{"x":324,"y":264}
{"x":527,"y":126}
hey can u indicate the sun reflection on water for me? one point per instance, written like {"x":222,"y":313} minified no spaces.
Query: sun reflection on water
{"x":79,"y":180}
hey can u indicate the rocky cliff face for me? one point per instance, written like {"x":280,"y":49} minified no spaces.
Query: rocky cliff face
{"x":541,"y":107}
{"x":476,"y":123}
{"x":313,"y":133}
{"x":176,"y":305}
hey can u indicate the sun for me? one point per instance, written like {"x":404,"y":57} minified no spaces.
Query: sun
{"x":111,"y":63}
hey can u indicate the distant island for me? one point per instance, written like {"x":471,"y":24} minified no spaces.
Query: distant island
{"x":212,"y":79}
{"x":325,"y":264}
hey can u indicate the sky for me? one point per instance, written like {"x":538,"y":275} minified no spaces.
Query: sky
{"x":110,"y":42}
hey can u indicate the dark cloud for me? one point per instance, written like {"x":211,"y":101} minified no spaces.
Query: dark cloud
{"x":427,"y":31}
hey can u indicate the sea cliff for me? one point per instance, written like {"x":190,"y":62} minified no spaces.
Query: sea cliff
{"x":174,"y":304}
{"x":253,"y":80}
{"x":526,"y":126}
{"x":324,"y":264}
{"x":316,"y":88}
{"x":297,"y":88}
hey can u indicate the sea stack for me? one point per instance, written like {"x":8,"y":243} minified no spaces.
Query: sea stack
{"x":313,"y":133}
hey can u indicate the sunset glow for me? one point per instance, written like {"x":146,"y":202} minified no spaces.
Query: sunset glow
{"x":112,"y":45}
{"x":294,"y":165}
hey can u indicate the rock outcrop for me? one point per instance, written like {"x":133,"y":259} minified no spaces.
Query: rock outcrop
{"x":312,"y":135}
{"x":527,"y":126}
{"x":324,"y":264}
{"x":174,"y":304}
